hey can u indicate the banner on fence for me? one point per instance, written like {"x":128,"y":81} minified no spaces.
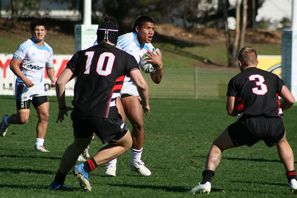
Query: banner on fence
{"x":7,"y":77}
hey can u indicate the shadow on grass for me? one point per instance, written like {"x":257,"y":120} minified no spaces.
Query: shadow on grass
{"x":26,"y":170}
{"x":30,"y":156}
{"x":244,"y":159}
{"x":180,"y":189}
{"x":38,"y":187}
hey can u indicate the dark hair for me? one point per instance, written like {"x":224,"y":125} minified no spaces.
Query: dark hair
{"x":141,"y":20}
{"x":108,"y":30}
{"x":38,"y":22}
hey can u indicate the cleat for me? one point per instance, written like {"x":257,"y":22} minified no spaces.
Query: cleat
{"x":202,"y":188}
{"x":140,"y":168}
{"x":111,"y":171}
{"x":83,"y":177}
{"x":57,"y":186}
{"x":3,"y":126}
{"x":293,"y":185}
{"x":41,"y":149}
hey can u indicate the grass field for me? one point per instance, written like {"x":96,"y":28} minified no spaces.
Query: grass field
{"x":178,"y":135}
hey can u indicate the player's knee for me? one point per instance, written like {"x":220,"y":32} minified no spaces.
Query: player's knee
{"x":23,"y":120}
{"x":138,"y":125}
{"x":44,"y":117}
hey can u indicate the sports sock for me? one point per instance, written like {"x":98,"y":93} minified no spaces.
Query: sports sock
{"x":136,"y":154}
{"x":60,"y":177}
{"x":291,"y":175}
{"x":90,"y":165}
{"x":207,"y":176}
{"x":39,"y":141}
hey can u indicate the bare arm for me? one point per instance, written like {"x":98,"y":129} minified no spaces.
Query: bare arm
{"x":231,"y":106}
{"x":288,"y":98}
{"x":60,"y":92}
{"x":157,"y":59}
{"x":142,"y":86}
{"x":51,"y":75}
{"x":15,"y":68}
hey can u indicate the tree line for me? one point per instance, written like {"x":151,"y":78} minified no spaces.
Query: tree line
{"x":188,"y":14}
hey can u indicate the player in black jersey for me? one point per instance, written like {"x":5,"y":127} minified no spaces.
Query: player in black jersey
{"x":254,"y":94}
{"x":99,"y":72}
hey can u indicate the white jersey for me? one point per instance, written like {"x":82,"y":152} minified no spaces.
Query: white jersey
{"x":34,"y":60}
{"x":129,"y":43}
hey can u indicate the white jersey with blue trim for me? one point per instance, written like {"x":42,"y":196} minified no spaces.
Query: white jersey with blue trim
{"x":129,"y":43}
{"x":34,"y":60}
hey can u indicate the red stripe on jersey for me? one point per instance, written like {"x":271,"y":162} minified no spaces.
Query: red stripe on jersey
{"x":117,"y":87}
{"x":278,"y":103}
{"x":120,"y":79}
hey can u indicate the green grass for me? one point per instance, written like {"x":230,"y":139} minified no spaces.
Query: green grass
{"x":178,"y":135}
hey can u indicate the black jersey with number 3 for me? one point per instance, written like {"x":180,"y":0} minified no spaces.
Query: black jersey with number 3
{"x":99,"y":72}
{"x":258,"y":90}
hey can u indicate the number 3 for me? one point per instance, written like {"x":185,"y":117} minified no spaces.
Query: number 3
{"x":261,"y":88}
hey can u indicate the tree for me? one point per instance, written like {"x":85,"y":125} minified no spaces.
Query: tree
{"x":236,"y":41}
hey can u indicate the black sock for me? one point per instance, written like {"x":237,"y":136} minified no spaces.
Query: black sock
{"x":60,"y":177}
{"x":291,"y":175}
{"x":207,"y":176}
{"x":90,"y":165}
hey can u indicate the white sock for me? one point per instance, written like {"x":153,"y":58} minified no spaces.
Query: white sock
{"x":111,"y":163}
{"x":136,"y":155}
{"x":39,"y":141}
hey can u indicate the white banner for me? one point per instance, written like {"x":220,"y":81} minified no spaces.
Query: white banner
{"x":7,"y":77}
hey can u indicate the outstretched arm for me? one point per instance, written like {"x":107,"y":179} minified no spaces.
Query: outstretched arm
{"x":65,"y":76}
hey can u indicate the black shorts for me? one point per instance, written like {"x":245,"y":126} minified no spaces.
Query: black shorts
{"x":107,"y":129}
{"x":36,"y":101}
{"x":250,"y":130}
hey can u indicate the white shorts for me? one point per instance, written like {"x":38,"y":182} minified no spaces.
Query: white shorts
{"x":24,"y":93}
{"x":129,"y":88}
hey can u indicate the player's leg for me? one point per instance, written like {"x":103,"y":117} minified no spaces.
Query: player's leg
{"x":134,"y":113}
{"x":41,"y":105}
{"x":21,"y":117}
{"x":113,"y":132}
{"x":286,"y":155}
{"x":111,"y":166}
{"x":213,"y":160}
{"x":68,"y":160}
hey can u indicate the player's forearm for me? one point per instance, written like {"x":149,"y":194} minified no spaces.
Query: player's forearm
{"x":51,"y":75}
{"x":60,"y":93}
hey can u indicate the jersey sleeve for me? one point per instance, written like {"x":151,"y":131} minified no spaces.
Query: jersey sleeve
{"x":131,"y":64}
{"x":21,"y":51}
{"x":280,"y":84}
{"x":74,"y":63}
{"x":50,"y":62}
{"x":231,"y":88}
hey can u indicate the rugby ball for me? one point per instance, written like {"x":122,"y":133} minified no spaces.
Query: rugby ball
{"x":146,"y":66}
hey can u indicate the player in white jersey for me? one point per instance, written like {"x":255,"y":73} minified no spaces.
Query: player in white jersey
{"x":29,"y":63}
{"x":137,"y":43}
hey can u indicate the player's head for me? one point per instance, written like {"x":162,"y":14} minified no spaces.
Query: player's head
{"x":144,"y":26}
{"x":38,"y":29}
{"x":247,"y":57}
{"x":108,"y":31}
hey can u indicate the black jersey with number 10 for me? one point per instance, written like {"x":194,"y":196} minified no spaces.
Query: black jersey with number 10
{"x":99,"y":72}
{"x":258,"y":90}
